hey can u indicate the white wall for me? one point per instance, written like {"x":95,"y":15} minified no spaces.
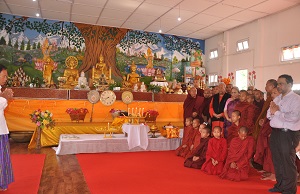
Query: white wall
{"x":266,"y":38}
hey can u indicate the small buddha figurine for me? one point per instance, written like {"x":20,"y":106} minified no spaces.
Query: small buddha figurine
{"x":143,"y":87}
{"x":71,"y":73}
{"x":125,"y":83}
{"x":149,"y":58}
{"x":159,"y":76}
{"x":133,"y":77}
{"x":47,"y":71}
{"x":82,"y":81}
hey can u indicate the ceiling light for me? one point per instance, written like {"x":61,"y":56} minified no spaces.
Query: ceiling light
{"x":37,"y":15}
{"x":159,"y":31}
{"x":179,"y":18}
{"x":33,"y":0}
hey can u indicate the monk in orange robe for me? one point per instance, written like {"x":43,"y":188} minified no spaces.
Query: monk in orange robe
{"x":188,"y":135}
{"x":217,"y":105}
{"x":216,"y":153}
{"x":240,"y":151}
{"x":234,"y":128}
{"x":271,"y":83}
{"x":193,"y":105}
{"x":248,"y":111}
{"x":198,"y":157}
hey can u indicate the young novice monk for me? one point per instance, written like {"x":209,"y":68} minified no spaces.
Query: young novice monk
{"x":216,"y":153}
{"x":234,"y":128}
{"x":240,"y":151}
{"x":188,"y":135}
{"x":195,"y":140}
{"x":198,"y":157}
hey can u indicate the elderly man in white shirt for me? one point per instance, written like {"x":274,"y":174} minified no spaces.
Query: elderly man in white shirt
{"x":6,"y":172}
{"x":284,"y":115}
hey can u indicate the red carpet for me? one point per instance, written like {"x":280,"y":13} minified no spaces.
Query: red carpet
{"x":27,"y":172}
{"x":157,"y":172}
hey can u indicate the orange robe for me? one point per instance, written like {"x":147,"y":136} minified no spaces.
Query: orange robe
{"x":217,"y":149}
{"x":262,"y":115}
{"x":240,"y":152}
{"x":263,"y":155}
{"x":188,"y":135}
{"x":200,"y":152}
{"x":249,"y":113}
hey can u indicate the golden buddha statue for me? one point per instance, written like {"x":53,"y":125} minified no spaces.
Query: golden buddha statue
{"x":149,"y":58}
{"x":133,"y":77}
{"x":100,"y":73}
{"x":159,"y":76}
{"x":71,"y":73}
{"x":47,"y":71}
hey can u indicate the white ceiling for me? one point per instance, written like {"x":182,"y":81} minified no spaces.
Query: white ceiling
{"x":201,"y":19}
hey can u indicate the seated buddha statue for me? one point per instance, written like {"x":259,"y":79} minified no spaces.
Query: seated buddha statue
{"x":71,"y":73}
{"x":82,"y":81}
{"x":133,"y":77}
{"x":99,"y":70}
{"x":47,"y":71}
{"x":159,"y":76}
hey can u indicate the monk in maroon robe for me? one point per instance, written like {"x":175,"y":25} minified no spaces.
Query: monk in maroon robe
{"x":216,"y":153}
{"x":206,"y":103}
{"x":259,"y":100}
{"x":217,"y":105}
{"x":195,"y":141}
{"x":240,"y":151}
{"x":193,"y":105}
{"x":188,"y":135}
{"x":272,"y":83}
{"x":198,"y":158}
{"x":234,"y":128}
{"x":248,"y":111}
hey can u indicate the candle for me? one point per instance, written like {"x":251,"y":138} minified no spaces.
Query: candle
{"x":132,"y":111}
{"x":142,"y":111}
{"x":139,"y":111}
{"x":136,"y":110}
{"x":128,"y":111}
{"x":107,"y":126}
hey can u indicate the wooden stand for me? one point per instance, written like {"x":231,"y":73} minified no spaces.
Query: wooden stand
{"x":38,"y":137}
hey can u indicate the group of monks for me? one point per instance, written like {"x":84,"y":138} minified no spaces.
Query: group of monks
{"x":235,"y":134}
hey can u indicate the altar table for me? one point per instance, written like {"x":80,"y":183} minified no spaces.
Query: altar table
{"x":96,"y":143}
{"x":137,"y":135}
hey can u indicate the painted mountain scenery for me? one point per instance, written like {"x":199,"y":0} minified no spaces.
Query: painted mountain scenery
{"x":22,"y":38}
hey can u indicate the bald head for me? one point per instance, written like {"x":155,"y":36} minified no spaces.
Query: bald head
{"x":193,"y":92}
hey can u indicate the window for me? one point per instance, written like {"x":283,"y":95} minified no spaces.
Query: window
{"x":242,"y":45}
{"x":242,"y":79}
{"x":290,"y":53}
{"x":212,"y":79}
{"x":213,"y":54}
{"x":296,"y":87}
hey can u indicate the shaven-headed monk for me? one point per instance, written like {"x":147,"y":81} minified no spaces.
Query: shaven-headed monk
{"x":188,"y":135}
{"x":240,"y":151}
{"x":198,"y":157}
{"x":196,"y":140}
{"x":234,"y":128}
{"x":216,"y":153}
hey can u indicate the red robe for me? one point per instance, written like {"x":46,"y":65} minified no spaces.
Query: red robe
{"x":217,"y":149}
{"x":240,"y":152}
{"x":188,"y":135}
{"x":232,"y":132}
{"x":249,"y":114}
{"x":263,"y":155}
{"x":195,"y":142}
{"x":191,"y":105}
{"x":199,"y":152}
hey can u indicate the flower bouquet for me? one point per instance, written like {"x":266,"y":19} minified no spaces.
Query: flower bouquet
{"x":42,"y":119}
{"x":77,"y":114}
{"x":115,"y":112}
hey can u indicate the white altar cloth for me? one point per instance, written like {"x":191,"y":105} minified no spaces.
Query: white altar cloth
{"x":96,"y":143}
{"x":137,"y":135}
{"x":162,"y":84}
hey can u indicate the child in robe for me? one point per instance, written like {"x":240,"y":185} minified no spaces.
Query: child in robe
{"x":199,"y":155}
{"x":240,"y":152}
{"x":195,"y":140}
{"x":188,"y":135}
{"x":234,"y":128}
{"x":216,"y":153}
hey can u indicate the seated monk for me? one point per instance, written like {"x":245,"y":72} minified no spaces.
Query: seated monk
{"x":240,"y":151}
{"x":133,"y":77}
{"x":99,"y":69}
{"x":71,"y":73}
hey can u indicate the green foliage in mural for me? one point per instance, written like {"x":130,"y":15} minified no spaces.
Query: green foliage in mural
{"x":134,"y":37}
